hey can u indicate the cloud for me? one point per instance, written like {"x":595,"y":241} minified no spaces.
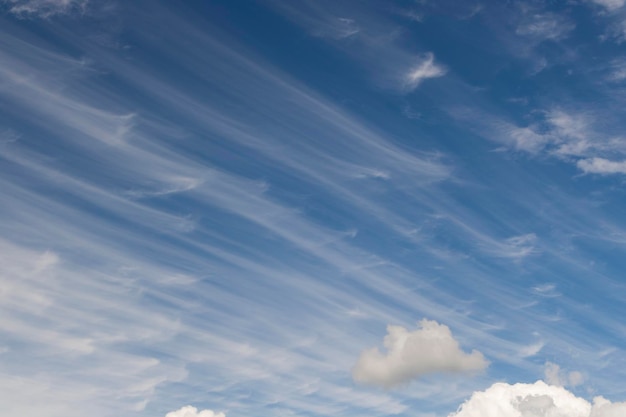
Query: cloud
{"x":617,"y":70}
{"x":518,"y":247}
{"x":430,"y":349}
{"x":44,"y":8}
{"x":610,"y":5}
{"x":371,"y":38}
{"x":189,"y":411}
{"x":535,"y":400}
{"x":555,"y":376}
{"x":531,"y":350}
{"x":546,"y":26}
{"x":425,"y":69}
{"x":579,"y":137}
{"x":338,"y":28}
{"x":601,"y":166}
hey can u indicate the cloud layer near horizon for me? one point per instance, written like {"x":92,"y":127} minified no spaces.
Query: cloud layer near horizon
{"x":189,"y":411}
{"x":535,"y":400}
{"x":429,"y":349}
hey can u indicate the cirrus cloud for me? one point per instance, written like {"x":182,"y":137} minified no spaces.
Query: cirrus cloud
{"x":426,"y":68}
{"x":43,"y":8}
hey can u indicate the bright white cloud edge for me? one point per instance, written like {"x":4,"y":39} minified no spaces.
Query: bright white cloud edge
{"x":535,"y":400}
{"x":189,"y":411}
{"x":429,"y":349}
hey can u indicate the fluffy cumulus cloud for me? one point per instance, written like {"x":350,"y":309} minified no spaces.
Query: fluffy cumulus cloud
{"x":535,"y":400}
{"x":43,"y":8}
{"x":429,"y":349}
{"x":189,"y":411}
{"x":426,"y":68}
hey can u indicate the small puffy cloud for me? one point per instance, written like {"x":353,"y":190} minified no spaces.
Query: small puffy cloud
{"x":601,"y":166}
{"x":189,"y":411}
{"x":555,"y":376}
{"x":429,"y":349}
{"x":43,"y":8}
{"x":535,"y":400}
{"x":552,"y":374}
{"x":426,"y":68}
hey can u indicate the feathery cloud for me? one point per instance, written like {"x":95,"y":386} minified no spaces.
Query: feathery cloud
{"x":44,"y":8}
{"x":545,"y":26}
{"x":426,"y":68}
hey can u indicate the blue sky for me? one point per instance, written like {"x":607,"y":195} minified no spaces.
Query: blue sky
{"x":312,"y":207}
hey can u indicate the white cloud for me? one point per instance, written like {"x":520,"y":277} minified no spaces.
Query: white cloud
{"x":189,"y":411}
{"x":425,"y":69}
{"x":535,"y":400}
{"x":44,"y":8}
{"x":601,"y":166}
{"x":574,"y":137}
{"x":429,"y":349}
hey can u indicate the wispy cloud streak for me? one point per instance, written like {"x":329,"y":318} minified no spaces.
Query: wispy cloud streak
{"x":185,"y":223}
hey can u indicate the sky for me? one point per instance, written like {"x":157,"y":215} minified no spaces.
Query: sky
{"x":243,"y":208}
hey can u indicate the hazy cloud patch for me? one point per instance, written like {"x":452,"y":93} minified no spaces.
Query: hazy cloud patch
{"x":610,"y":5}
{"x":546,"y":26}
{"x":601,"y":166}
{"x":554,"y":375}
